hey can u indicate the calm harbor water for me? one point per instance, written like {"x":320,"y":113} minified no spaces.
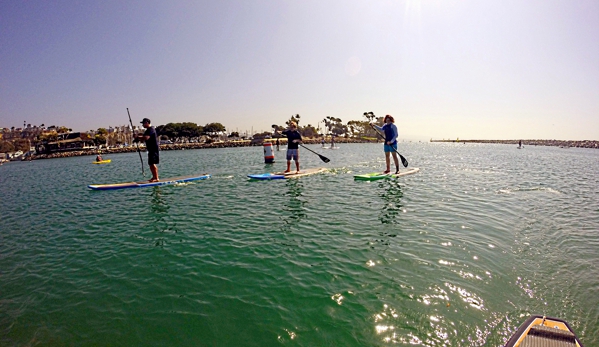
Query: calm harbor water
{"x":458,"y":254}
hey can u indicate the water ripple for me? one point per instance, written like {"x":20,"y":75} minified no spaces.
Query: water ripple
{"x":458,"y":254}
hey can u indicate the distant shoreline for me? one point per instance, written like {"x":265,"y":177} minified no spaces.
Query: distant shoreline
{"x":182,"y":146}
{"x":283,"y":141}
{"x":554,"y":143}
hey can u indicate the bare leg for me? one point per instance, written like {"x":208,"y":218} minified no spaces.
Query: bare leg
{"x":388,"y":161}
{"x":396,"y":162}
{"x":154,"y":170}
{"x":288,"y":166}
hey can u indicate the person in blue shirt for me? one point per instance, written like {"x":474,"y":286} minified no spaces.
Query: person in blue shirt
{"x":390,"y":147}
{"x":152,"y":146}
{"x":293,"y":140}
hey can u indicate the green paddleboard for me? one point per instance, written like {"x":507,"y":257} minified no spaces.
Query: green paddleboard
{"x":373,"y":176}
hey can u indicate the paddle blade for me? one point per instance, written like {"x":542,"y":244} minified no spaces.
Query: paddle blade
{"x":403,"y":160}
{"x":322,"y":157}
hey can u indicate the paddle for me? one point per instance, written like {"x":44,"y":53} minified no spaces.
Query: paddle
{"x":137,"y":144}
{"x":370,"y":115}
{"x":322,"y":157}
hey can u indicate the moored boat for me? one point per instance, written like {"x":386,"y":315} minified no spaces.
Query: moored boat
{"x":544,"y":331}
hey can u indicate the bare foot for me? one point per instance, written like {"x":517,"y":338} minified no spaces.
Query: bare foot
{"x":154,"y":180}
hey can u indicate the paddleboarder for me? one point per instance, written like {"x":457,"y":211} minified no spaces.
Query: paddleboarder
{"x":390,"y":147}
{"x":293,"y":140}
{"x":99,"y":157}
{"x":151,"y":139}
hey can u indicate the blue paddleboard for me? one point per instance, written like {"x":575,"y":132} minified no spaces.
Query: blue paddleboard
{"x":283,"y":175}
{"x":267,"y":176}
{"x":144,"y":184}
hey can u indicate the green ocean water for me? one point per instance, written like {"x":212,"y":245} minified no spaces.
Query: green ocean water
{"x":458,"y":254}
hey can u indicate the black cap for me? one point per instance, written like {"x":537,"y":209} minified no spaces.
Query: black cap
{"x":145,"y":120}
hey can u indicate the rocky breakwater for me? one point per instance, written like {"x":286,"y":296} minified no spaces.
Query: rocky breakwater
{"x":555,"y":143}
{"x":169,"y":147}
{"x":182,"y":146}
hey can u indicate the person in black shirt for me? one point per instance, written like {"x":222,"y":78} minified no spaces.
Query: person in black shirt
{"x":293,"y":140}
{"x":151,"y":139}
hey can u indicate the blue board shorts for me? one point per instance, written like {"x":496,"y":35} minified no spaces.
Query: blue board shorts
{"x":391,"y":148}
{"x":292,"y":154}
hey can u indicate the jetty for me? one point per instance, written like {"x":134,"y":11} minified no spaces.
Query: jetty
{"x":554,"y":143}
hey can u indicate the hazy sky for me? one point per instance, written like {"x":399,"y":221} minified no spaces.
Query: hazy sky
{"x":473,"y":69}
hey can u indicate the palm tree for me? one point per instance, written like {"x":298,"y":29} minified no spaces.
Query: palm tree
{"x":328,"y":123}
{"x":294,"y":118}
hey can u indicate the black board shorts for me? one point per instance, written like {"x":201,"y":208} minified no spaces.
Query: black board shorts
{"x":153,"y":158}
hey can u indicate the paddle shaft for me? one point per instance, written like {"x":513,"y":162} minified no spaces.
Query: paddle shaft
{"x":403,"y":160}
{"x":322,"y":157}
{"x":137,"y":145}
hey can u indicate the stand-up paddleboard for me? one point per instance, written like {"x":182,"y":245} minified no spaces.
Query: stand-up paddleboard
{"x":144,"y":184}
{"x":305,"y":172}
{"x":267,"y":176}
{"x":405,"y":173}
{"x":373,"y":176}
{"x":105,"y":161}
{"x":284,"y":175}
{"x":378,"y":175}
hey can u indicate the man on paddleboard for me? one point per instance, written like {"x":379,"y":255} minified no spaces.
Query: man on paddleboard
{"x":151,"y":139}
{"x":390,"y":147}
{"x":293,"y":140}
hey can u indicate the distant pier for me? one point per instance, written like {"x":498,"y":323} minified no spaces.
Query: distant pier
{"x":555,"y":143}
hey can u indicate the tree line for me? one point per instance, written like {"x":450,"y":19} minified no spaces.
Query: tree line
{"x":334,"y":127}
{"x":185,"y":131}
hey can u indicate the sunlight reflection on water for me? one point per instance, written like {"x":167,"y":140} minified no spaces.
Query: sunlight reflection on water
{"x":458,"y":253}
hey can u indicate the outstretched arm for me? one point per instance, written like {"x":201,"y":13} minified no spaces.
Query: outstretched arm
{"x":376,"y":126}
